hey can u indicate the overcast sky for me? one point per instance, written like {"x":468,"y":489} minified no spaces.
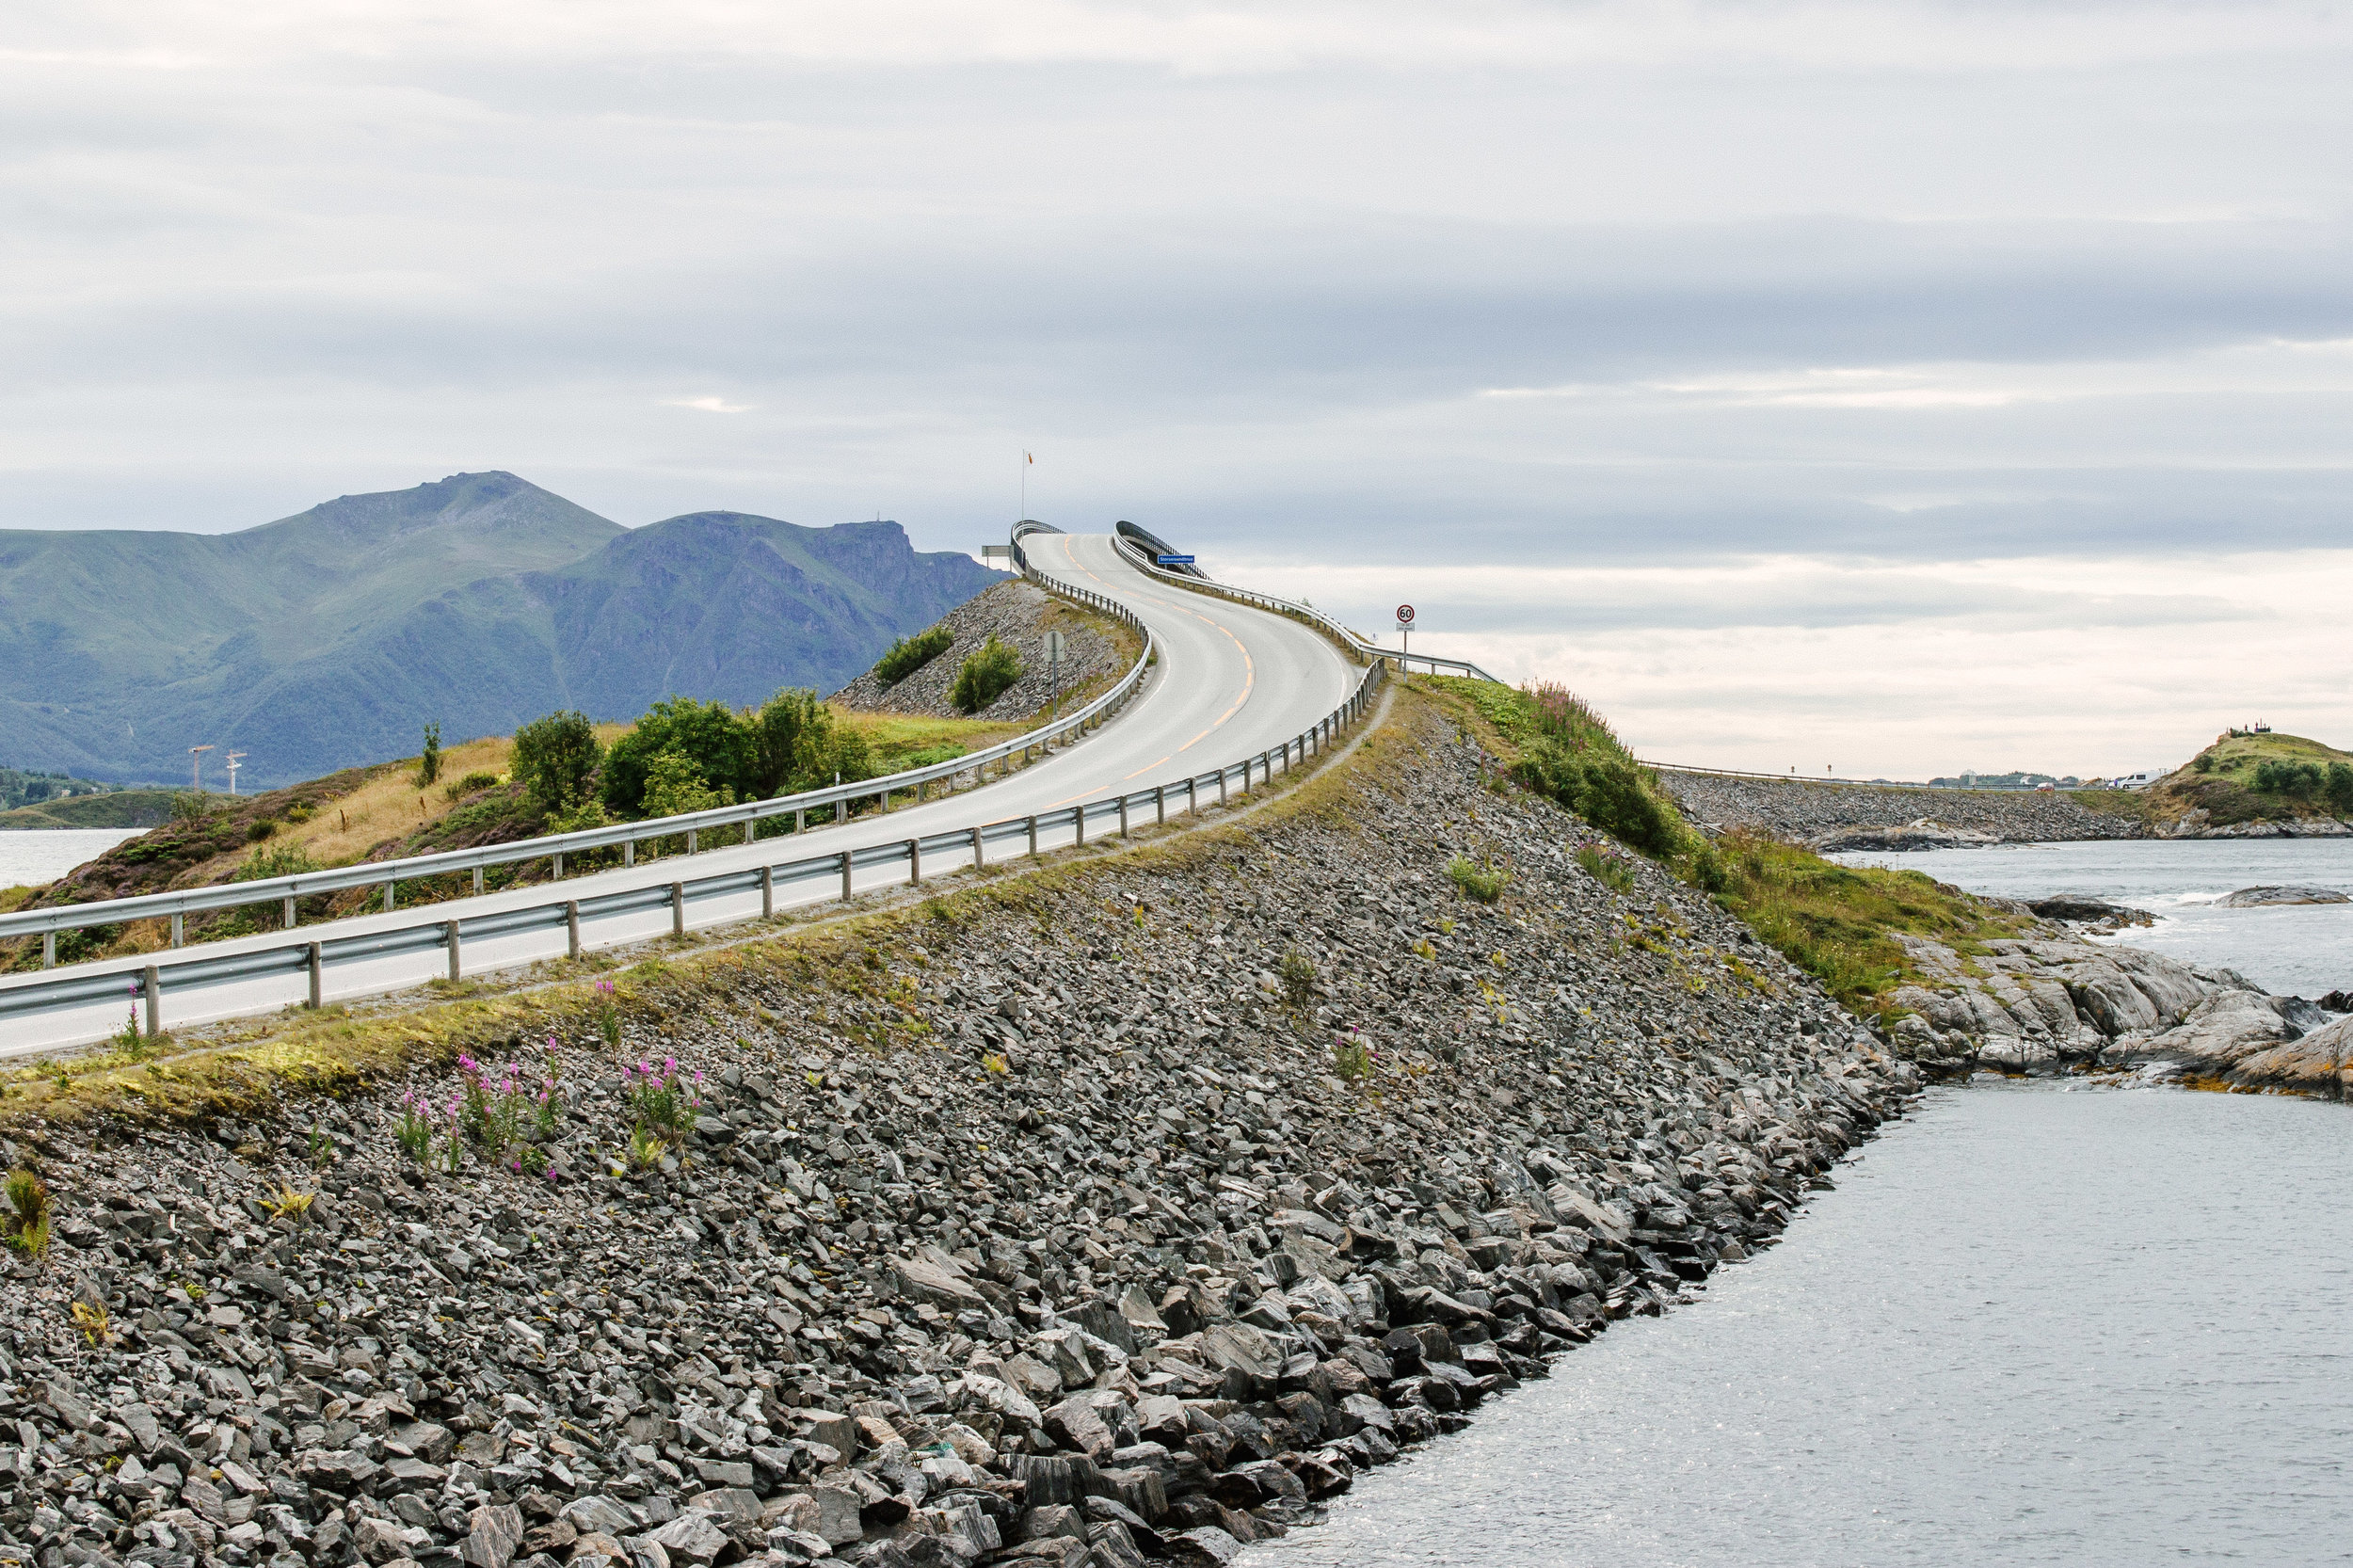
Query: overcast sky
{"x":1893,"y":388}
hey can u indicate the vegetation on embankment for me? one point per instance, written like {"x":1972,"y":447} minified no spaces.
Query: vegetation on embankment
{"x":246,"y":1067}
{"x":1838,"y":923}
{"x":384,"y":812}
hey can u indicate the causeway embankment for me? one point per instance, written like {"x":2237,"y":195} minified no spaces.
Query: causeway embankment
{"x":1126,"y":1208}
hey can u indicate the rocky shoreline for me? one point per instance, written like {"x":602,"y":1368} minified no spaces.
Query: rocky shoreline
{"x":1124,"y":1210}
{"x":2053,"y":998}
{"x":1824,"y":816}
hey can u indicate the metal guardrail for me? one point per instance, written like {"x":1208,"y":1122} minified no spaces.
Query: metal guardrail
{"x":1309,"y":613}
{"x":389,"y":875}
{"x":148,"y":985}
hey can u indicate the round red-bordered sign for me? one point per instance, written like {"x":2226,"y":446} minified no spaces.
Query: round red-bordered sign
{"x":1405,"y":615}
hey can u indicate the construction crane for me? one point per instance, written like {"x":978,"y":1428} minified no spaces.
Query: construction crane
{"x":196,"y":766}
{"x":230,"y":759}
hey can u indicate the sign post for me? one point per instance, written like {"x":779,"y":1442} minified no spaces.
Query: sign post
{"x":1405,"y":628}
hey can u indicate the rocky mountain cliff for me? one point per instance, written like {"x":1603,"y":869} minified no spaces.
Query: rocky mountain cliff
{"x":479,"y":603}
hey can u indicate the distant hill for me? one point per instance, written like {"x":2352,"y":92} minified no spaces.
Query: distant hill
{"x":113,"y":808}
{"x":330,"y":638}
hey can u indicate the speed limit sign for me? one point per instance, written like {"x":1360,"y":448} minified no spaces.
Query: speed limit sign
{"x":1405,"y":615}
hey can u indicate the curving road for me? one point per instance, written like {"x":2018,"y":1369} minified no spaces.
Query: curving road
{"x":1231,"y":681}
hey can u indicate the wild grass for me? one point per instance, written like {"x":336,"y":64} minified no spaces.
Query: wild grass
{"x":1481,"y":884}
{"x":1839,"y":924}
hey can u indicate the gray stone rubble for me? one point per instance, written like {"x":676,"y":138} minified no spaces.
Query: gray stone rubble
{"x":1018,"y":613}
{"x":1827,"y":816}
{"x":1039,"y":1228}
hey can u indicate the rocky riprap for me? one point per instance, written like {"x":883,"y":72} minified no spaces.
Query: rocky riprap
{"x":2051,"y":999}
{"x":1037,"y":1224}
{"x":1022,"y":614}
{"x":1822,"y":815}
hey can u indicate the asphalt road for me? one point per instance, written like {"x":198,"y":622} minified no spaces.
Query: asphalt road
{"x":1232,"y":681}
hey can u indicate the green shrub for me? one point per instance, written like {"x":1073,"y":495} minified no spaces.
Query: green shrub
{"x":987,"y":676}
{"x":711,"y":735}
{"x":458,"y":789}
{"x":2204,"y":761}
{"x":259,"y":829}
{"x":278,"y":860}
{"x":675,"y":786}
{"x":189,"y":806}
{"x":553,"y":759}
{"x":1351,"y":1058}
{"x":1482,"y":884}
{"x":2298,"y":780}
{"x":429,"y":760}
{"x":909,"y":654}
{"x":1608,"y":868}
{"x":2340,"y":787}
{"x":27,"y":1219}
{"x":1608,"y":791}
{"x":1297,"y":974}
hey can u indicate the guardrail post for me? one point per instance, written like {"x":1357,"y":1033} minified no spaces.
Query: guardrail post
{"x":980,"y":848}
{"x":1033,"y":835}
{"x":629,"y":852}
{"x":387,"y":896}
{"x":1123,"y":818}
{"x":449,"y":934}
{"x":477,"y":883}
{"x":1159,"y":804}
{"x":151,"y":982}
{"x":915,"y":862}
{"x":179,"y":930}
{"x":292,"y":912}
{"x":48,"y":950}
{"x":678,"y":908}
{"x":571,"y":928}
{"x":315,"y":961}
{"x":1221,"y":786}
{"x":845,"y":874}
{"x":768,"y":893}
{"x":800,"y":819}
{"x":751,"y":829}
{"x":692,"y":847}
{"x":1079,"y":820}
{"x":558,"y":859}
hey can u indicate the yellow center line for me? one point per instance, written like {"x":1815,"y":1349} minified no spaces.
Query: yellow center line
{"x":1249,"y":667}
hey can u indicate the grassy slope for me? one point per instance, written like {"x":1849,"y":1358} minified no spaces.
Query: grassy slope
{"x":115,"y":808}
{"x":2226,"y":791}
{"x":1838,"y":923}
{"x":376,"y":813}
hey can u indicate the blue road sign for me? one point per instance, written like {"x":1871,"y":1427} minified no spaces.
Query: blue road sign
{"x":1175,"y":560}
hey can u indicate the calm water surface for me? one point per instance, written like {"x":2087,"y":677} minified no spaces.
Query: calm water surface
{"x":45,"y":855}
{"x":2036,"y":1324}
{"x":2299,"y":950}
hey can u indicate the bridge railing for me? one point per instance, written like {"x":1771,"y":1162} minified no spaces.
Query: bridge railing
{"x":836,"y":800}
{"x":1309,"y":613}
{"x":310,"y":964}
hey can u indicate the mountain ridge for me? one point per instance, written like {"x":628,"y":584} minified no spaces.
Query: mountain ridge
{"x":330,"y":638}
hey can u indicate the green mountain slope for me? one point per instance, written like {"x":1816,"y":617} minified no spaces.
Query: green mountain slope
{"x":330,"y":638}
